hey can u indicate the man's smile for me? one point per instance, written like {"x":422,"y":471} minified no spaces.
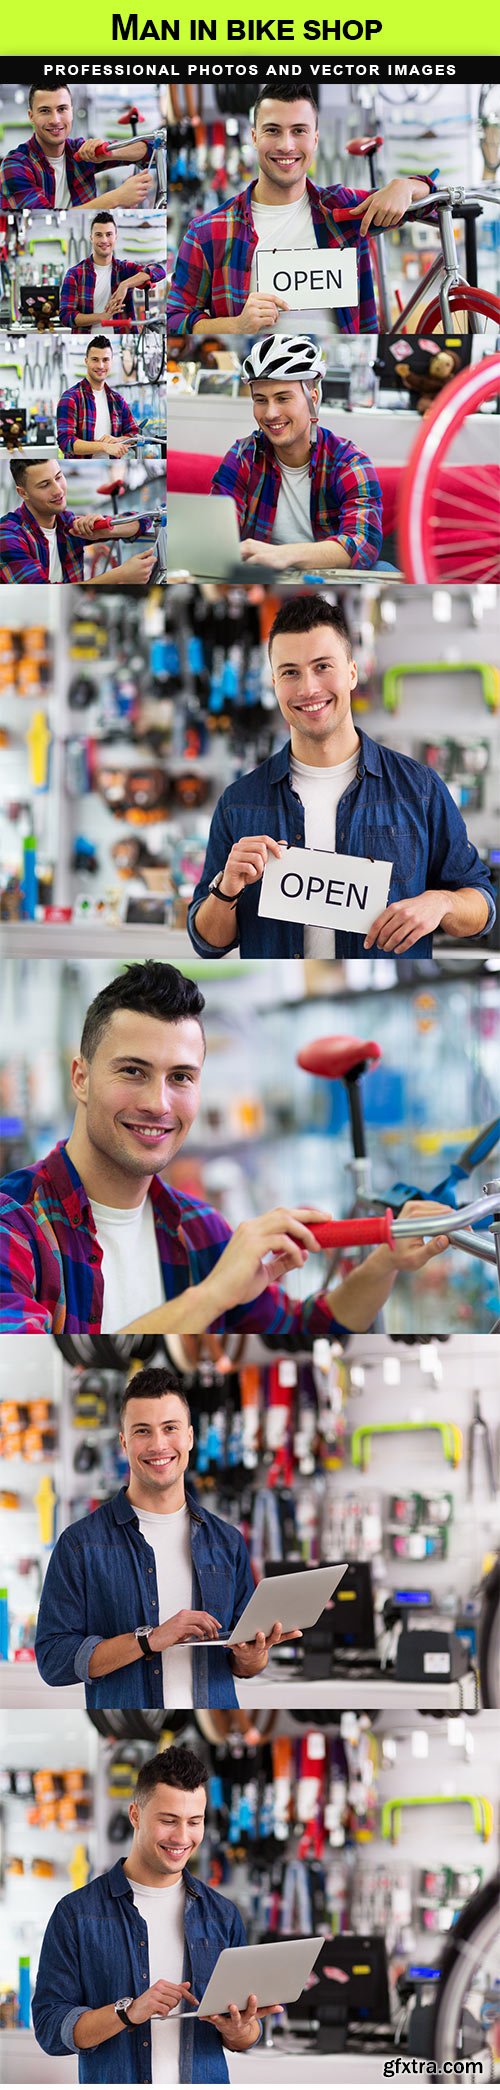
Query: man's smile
{"x":148,"y":1135}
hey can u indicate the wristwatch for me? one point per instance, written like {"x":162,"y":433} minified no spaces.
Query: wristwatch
{"x":121,"y":2008}
{"x":142,"y":1636}
{"x":215,"y":887}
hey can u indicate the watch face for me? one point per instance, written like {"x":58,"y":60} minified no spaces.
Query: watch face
{"x":124,"y":2002}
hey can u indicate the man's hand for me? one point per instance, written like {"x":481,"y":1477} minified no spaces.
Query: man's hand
{"x":387,"y":206}
{"x":249,"y":1657}
{"x":282,"y":1237}
{"x":401,"y":925}
{"x":88,"y":150}
{"x":134,"y":191}
{"x":265,"y":554}
{"x":115,"y":445}
{"x":117,"y":299}
{"x":84,"y":526}
{"x":159,"y":2000}
{"x":239,"y":2029}
{"x":246,"y":862}
{"x":136,"y":572}
{"x":185,"y":1625}
{"x":414,"y":1254}
{"x":260,"y":311}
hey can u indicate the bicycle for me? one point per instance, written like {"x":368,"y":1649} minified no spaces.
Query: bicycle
{"x":108,"y":154}
{"x":347,"y":1060}
{"x":464,"y":1988}
{"x":458,"y":298}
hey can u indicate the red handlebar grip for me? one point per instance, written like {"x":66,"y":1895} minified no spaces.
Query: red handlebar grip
{"x":355,"y":1233}
{"x":102,"y":152}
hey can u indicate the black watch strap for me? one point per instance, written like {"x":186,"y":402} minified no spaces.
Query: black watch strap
{"x":143,"y":1643}
{"x":228,"y":899}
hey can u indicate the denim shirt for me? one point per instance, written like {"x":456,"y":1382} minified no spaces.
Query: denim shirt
{"x":95,"y":1950}
{"x":395,"y":809}
{"x":101,"y":1581}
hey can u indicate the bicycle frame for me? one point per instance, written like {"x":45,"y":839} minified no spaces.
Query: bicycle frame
{"x":375,"y":1231}
{"x":443,"y":272}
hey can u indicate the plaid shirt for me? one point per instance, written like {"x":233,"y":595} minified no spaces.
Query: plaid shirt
{"x":24,"y":551}
{"x":78,"y":287}
{"x":28,"y":180}
{"x":212,"y":272}
{"x":346,"y":501}
{"x":50,"y":1258}
{"x":76,"y":415}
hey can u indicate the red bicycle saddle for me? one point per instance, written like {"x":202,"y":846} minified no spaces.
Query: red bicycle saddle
{"x":112,"y":486}
{"x":336,"y":1058}
{"x":360,"y":147}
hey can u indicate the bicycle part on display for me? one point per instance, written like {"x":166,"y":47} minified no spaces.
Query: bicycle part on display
{"x":457,"y":299}
{"x":451,"y":1438}
{"x":480,"y":1807}
{"x":442,"y":537}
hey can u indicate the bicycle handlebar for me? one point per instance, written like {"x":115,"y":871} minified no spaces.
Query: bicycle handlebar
{"x":439,"y":199}
{"x":373,"y":1231}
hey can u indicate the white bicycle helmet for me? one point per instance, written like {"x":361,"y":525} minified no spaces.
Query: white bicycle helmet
{"x":284,"y":355}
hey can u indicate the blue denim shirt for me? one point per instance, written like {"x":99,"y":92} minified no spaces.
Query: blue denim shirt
{"x":395,"y":809}
{"x":101,"y":1581}
{"x":95,"y":1950}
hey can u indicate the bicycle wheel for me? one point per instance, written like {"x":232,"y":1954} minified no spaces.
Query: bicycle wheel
{"x":465,"y":2010}
{"x":151,"y":354}
{"x":449,"y":518}
{"x":489,"y":1639}
{"x":463,"y":301}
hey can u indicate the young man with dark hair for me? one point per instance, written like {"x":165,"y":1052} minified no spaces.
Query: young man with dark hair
{"x":304,"y":497}
{"x":125,"y":1959}
{"x":117,"y":1632}
{"x":43,"y":541}
{"x":102,"y":287}
{"x":92,"y":1238}
{"x":53,"y":170}
{"x":93,"y":420}
{"x":331,"y":787}
{"x":215,"y":277}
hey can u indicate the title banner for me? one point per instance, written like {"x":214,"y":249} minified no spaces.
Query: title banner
{"x":385,"y":44}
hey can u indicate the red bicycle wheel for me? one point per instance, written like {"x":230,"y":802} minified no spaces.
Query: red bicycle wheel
{"x":449,"y":517}
{"x":462,"y":302}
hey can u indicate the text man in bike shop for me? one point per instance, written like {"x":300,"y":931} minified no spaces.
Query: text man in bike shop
{"x":92,"y":1237}
{"x":116,"y":1631}
{"x":43,"y":541}
{"x":332,"y":788}
{"x":304,"y":496}
{"x":149,"y":1935}
{"x":102,"y":287}
{"x":53,"y":170}
{"x":93,"y":420}
{"x":215,"y":273}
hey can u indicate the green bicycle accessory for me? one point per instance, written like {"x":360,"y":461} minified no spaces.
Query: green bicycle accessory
{"x":489,"y":678}
{"x":451,"y":1438}
{"x":481,"y":1810}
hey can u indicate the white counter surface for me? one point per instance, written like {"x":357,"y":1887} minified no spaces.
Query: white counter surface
{"x":22,"y":2061}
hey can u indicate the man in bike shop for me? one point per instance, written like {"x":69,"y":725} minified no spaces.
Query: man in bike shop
{"x":304,"y":496}
{"x":125,"y":1959}
{"x":93,"y":420}
{"x":331,"y":787}
{"x":179,"y":1574}
{"x":101,"y":288}
{"x":42,"y":541}
{"x":92,"y":1237}
{"x":53,"y":170}
{"x":215,"y":273}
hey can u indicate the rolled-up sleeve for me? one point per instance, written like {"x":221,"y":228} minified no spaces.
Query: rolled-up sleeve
{"x":58,"y":2001}
{"x":359,"y":511}
{"x":453,"y":860}
{"x":61,"y":1631}
{"x":220,"y":842}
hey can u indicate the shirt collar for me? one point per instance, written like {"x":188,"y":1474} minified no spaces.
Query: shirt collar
{"x":369,"y":758}
{"x":124,"y":1513}
{"x":29,"y":522}
{"x":315,"y":452}
{"x":244,"y":200}
{"x":119,"y":1885}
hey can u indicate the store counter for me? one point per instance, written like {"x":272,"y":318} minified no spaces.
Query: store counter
{"x":93,"y":939}
{"x":22,"y":1685}
{"x":278,"y":1690}
{"x":22,"y":2061}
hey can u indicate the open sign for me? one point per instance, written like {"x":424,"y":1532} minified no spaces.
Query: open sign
{"x":309,"y":276}
{"x":324,"y":890}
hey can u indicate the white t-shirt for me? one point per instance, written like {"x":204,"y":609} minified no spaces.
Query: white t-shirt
{"x":170,"y":1538}
{"x":292,"y":521}
{"x":283,"y":225}
{"x":102,"y":289}
{"x":162,"y":1908}
{"x":131,"y":1267}
{"x":62,"y":196}
{"x":320,"y":791}
{"x":102,"y":416}
{"x":55,"y":568}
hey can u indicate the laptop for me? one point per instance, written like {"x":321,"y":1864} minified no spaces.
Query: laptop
{"x":296,"y":1599}
{"x":273,"y":1973}
{"x":204,"y":540}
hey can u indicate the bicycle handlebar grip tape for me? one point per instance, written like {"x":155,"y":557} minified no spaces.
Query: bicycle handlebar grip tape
{"x":355,"y":1233}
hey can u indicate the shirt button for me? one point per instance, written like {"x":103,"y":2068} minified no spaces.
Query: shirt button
{"x":156,"y":1672}
{"x":150,"y":1571}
